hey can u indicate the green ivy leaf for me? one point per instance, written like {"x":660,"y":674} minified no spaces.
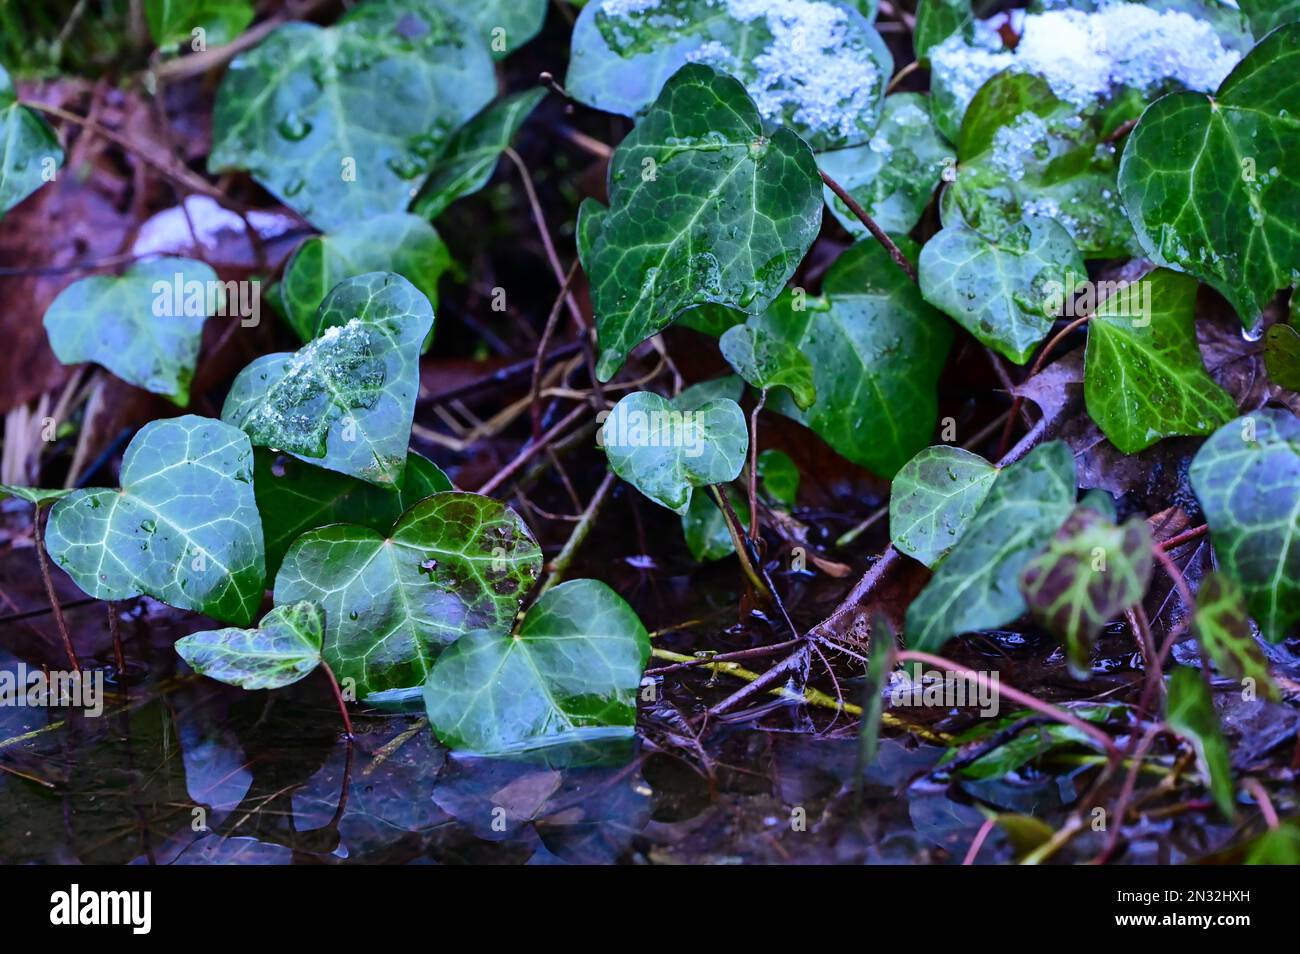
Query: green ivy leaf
{"x":1266,"y":15}
{"x":936,"y":20}
{"x":26,"y":141}
{"x":895,"y":174}
{"x":472,"y":154}
{"x":453,"y":563}
{"x":283,"y":648}
{"x":1190,"y":713}
{"x":1222,"y":625}
{"x":705,"y":527}
{"x":1282,"y":355}
{"x":570,"y":675}
{"x":778,"y":476}
{"x":730,"y":387}
{"x":33,"y":495}
{"x":173,"y":22}
{"x":704,"y":207}
{"x":1211,"y":183}
{"x":506,"y":25}
{"x":346,"y":400}
{"x":999,"y":288}
{"x":183,"y":528}
{"x":766,"y":362}
{"x":340,"y":123}
{"x":1247,"y":479}
{"x":665,"y":449}
{"x":1277,"y":846}
{"x":133,"y":326}
{"x":1143,"y":375}
{"x":816,"y":67}
{"x":401,"y":243}
{"x":933,"y":499}
{"x":1091,"y":571}
{"x":295,"y":497}
{"x":975,"y":586}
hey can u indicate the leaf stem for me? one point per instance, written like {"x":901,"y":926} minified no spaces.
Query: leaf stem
{"x":738,"y":539}
{"x":753,"y":465}
{"x":580,"y":530}
{"x":55,"y":606}
{"x":877,"y":232}
{"x":338,"y":697}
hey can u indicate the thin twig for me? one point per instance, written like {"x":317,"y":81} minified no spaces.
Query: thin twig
{"x":877,"y":232}
{"x":43,"y":559}
{"x":580,"y":530}
{"x":533,"y":448}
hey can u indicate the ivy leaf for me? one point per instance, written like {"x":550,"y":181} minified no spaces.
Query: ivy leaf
{"x":295,"y":497}
{"x":729,"y":386}
{"x":975,"y":587}
{"x":344,"y":401}
{"x":283,"y":648}
{"x":453,"y":563}
{"x":133,"y":326}
{"x":1211,"y":183}
{"x":340,"y":123}
{"x":26,"y":142}
{"x":1144,"y":379}
{"x":1091,"y":571}
{"x":766,"y":362}
{"x":472,"y":154}
{"x":183,"y":528}
{"x":1265,"y":15}
{"x":936,"y":20}
{"x":1247,"y":479}
{"x":999,"y":288}
{"x":401,"y":243}
{"x":1282,"y":355}
{"x":705,"y":527}
{"x":894,"y":175}
{"x":778,"y":475}
{"x":704,"y":207}
{"x":877,"y":351}
{"x":1223,"y":627}
{"x":506,"y":25}
{"x":570,"y":675}
{"x":173,"y":22}
{"x":1277,"y":846}
{"x":816,"y":67}
{"x":665,"y":449}
{"x":1190,"y":713}
{"x":933,"y":499}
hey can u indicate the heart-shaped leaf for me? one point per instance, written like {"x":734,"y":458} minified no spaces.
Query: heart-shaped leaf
{"x":183,"y":528}
{"x":506,"y":25}
{"x":766,"y":362}
{"x":817,"y":67}
{"x":570,"y":675}
{"x":665,"y":450}
{"x":705,"y":527}
{"x":145,"y":327}
{"x":1190,"y":712}
{"x":933,"y":499}
{"x":33,"y":495}
{"x":704,"y":207}
{"x":283,"y":648}
{"x":975,"y":586}
{"x":340,"y":123}
{"x":1143,"y":375}
{"x":1282,"y":355}
{"x":999,"y":289}
{"x":401,"y":243}
{"x":215,"y":22}
{"x":344,"y":401}
{"x":1223,"y":628}
{"x":1211,"y":183}
{"x":778,"y":476}
{"x":295,"y":497}
{"x":453,"y":563}
{"x":473,"y":152}
{"x":1247,"y":478}
{"x":29,"y":149}
{"x":1091,"y":571}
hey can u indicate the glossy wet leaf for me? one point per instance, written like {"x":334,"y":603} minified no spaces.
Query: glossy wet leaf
{"x":933,"y":499}
{"x":817,"y":67}
{"x":704,"y":207}
{"x":345,"y":400}
{"x":400,"y":243}
{"x":877,"y":351}
{"x":666,"y":449}
{"x":976,"y":586}
{"x":1222,"y":625}
{"x":138,"y":325}
{"x":183,"y":528}
{"x":1190,"y":712}
{"x":1026,"y":746}
{"x":894,"y":175}
{"x":570,"y":675}
{"x":340,"y":123}
{"x":506,"y":25}
{"x":998,"y":289}
{"x":1266,"y":15}
{"x":472,"y":154}
{"x":33,"y":495}
{"x":767,"y":362}
{"x":936,"y":20}
{"x":1144,"y":379}
{"x":295,"y":497}
{"x":29,"y":149}
{"x":174,"y":22}
{"x":705,"y":526}
{"x":453,"y":563}
{"x":778,"y":476}
{"x":1211,"y":183}
{"x":283,"y":648}
{"x":1247,"y":479}
{"x":1282,"y":355}
{"x":1091,"y":571}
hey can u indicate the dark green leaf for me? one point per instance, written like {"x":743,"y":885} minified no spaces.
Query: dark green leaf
{"x":766,"y":362}
{"x":33,"y":495}
{"x":1222,"y":625}
{"x":29,"y":150}
{"x":283,"y":648}
{"x":1191,"y":714}
{"x":506,"y":25}
{"x":173,"y":22}
{"x":705,"y":526}
{"x":1282,"y":355}
{"x":933,"y":499}
{"x":778,"y":476}
{"x":1267,"y":15}
{"x":936,"y":20}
